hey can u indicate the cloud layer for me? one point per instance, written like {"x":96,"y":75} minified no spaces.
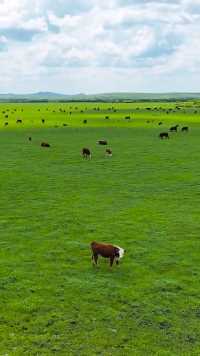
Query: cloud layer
{"x":97,"y":45}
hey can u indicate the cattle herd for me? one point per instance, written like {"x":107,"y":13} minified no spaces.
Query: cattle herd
{"x":165,"y":134}
{"x":86,"y":152}
{"x":111,"y":252}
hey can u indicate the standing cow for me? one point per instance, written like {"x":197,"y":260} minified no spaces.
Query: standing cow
{"x":174,"y":128}
{"x":102,"y":142}
{"x":107,"y":251}
{"x":185,"y":129}
{"x":86,"y":153}
{"x":45,"y":144}
{"x":164,"y":135}
{"x":108,"y":152}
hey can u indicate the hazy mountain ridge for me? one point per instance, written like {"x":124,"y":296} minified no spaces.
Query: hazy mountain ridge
{"x":123,"y":96}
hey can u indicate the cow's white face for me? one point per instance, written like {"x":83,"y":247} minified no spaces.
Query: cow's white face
{"x":121,"y":252}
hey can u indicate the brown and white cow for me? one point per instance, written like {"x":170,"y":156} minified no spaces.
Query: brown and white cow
{"x":107,"y":251}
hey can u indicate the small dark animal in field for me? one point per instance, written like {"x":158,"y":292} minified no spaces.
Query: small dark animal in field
{"x":86,"y":153}
{"x":19,"y":121}
{"x":107,"y":251}
{"x":30,"y":138}
{"x":64,"y":124}
{"x":6,"y":124}
{"x":106,"y":117}
{"x":102,"y":142}
{"x":160,"y":123}
{"x":174,"y":128}
{"x":43,"y":121}
{"x":164,"y":135}
{"x":85,"y":121}
{"x":127,"y":117}
{"x":45,"y":144}
{"x":108,"y":152}
{"x":185,"y":129}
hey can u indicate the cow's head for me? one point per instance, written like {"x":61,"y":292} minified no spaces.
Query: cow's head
{"x":119,"y":253}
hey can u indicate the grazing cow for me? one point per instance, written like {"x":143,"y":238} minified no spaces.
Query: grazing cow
{"x":108,"y":152}
{"x":85,"y":121}
{"x":160,"y":123}
{"x":102,"y":142}
{"x":107,"y":251}
{"x":45,"y":144}
{"x":43,"y":121}
{"x":19,"y":121}
{"x":174,"y":128}
{"x":86,"y":153}
{"x":164,"y":135}
{"x":64,"y":124}
{"x":6,"y":124}
{"x":185,"y":129}
{"x":30,"y":138}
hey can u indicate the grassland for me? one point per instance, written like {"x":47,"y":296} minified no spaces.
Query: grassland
{"x":145,"y":198}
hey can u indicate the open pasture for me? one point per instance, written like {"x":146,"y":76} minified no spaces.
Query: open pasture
{"x":145,"y":198}
{"x":97,"y":114}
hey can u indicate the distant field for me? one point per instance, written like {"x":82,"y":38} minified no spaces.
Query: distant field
{"x":145,"y":198}
{"x":73,"y":114}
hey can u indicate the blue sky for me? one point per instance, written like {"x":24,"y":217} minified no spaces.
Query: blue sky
{"x":91,"y":46}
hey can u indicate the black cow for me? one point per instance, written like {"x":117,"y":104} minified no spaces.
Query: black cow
{"x":185,"y":129}
{"x":85,"y":121}
{"x":45,"y":144}
{"x":174,"y":128}
{"x":164,"y":135}
{"x":86,"y":153}
{"x":102,"y":142}
{"x":19,"y":121}
{"x":6,"y":124}
{"x":108,"y":152}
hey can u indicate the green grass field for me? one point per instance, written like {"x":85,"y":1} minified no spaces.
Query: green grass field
{"x":145,"y":198}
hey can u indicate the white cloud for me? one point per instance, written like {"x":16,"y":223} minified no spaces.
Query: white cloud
{"x":46,"y":44}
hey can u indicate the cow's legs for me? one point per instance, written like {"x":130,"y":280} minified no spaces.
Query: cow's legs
{"x":95,"y":259}
{"x":111,"y":260}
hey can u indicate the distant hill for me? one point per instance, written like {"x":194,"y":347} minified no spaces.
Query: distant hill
{"x":107,"y":97}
